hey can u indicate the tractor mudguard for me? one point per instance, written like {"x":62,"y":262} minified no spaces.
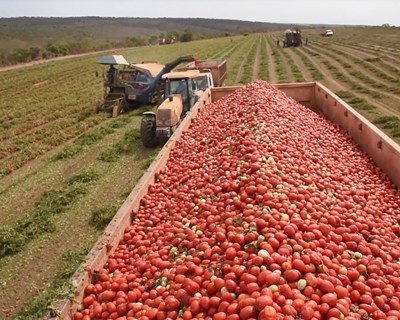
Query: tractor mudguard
{"x":149,"y":114}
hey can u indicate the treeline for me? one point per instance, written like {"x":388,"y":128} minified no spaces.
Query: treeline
{"x":63,"y":48}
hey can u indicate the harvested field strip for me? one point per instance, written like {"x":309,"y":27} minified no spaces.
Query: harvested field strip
{"x":280,"y":65}
{"x":374,"y":71}
{"x":263,"y":72}
{"x":235,"y":60}
{"x":295,"y":70}
{"x":392,"y":123}
{"x":342,"y":74}
{"x":14,"y":238}
{"x":364,"y":84}
{"x":257,"y":60}
{"x":315,"y":73}
{"x":373,"y":50}
{"x":245,"y":73}
{"x":28,"y":147}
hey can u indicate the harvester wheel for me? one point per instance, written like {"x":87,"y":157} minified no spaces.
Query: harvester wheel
{"x":148,"y":132}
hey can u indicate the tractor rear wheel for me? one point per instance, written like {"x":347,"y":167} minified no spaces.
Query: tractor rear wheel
{"x":148,"y":132}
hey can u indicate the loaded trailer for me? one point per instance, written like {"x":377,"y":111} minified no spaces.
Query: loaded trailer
{"x":218,"y":69}
{"x":384,"y":152}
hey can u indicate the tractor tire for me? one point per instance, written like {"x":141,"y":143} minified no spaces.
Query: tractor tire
{"x":148,"y":132}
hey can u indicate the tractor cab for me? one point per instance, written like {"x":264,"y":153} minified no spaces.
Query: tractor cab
{"x":182,"y":83}
{"x":182,"y":89}
{"x":188,"y":84}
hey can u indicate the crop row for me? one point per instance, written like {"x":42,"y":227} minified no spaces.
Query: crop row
{"x":245,"y":74}
{"x":364,"y":76}
{"x":263,"y":72}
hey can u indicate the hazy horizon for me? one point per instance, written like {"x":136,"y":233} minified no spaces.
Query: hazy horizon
{"x":341,"y":12}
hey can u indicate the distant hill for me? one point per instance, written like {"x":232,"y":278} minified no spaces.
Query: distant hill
{"x":20,"y":32}
{"x":30,"y":38}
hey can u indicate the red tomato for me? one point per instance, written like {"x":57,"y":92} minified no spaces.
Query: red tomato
{"x":268,"y":313}
{"x":292,"y":275}
{"x":330,"y":299}
{"x":326,"y":286}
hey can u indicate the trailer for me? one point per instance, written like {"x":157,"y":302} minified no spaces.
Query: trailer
{"x":218,"y":69}
{"x":313,"y":95}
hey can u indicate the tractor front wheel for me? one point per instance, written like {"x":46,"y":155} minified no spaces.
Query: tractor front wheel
{"x":148,"y":132}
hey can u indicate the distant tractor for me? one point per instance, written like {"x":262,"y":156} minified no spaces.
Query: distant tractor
{"x":128,"y":85}
{"x":292,"y":38}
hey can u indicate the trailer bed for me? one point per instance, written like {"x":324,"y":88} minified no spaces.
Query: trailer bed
{"x":381,"y":148}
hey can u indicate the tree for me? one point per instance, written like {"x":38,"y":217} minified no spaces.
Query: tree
{"x":3,"y":59}
{"x":19,"y":55}
{"x":186,"y":36}
{"x":153,"y":40}
{"x":135,"y":41}
{"x":36,"y":53}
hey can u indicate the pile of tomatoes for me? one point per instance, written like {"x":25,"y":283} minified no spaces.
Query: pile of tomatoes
{"x":265,"y":210}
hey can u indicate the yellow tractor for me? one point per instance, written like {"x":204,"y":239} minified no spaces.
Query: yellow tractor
{"x":182,"y":89}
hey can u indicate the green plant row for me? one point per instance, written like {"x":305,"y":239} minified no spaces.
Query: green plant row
{"x":248,"y":63}
{"x":315,"y":73}
{"x":368,"y":66}
{"x":54,"y":202}
{"x":235,"y":59}
{"x":340,"y":76}
{"x":362,"y":77}
{"x":279,"y":61}
{"x":295,"y":70}
{"x":263,"y":72}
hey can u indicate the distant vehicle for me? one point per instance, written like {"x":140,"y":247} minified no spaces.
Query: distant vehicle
{"x":327,"y":33}
{"x":292,"y":38}
{"x":167,"y":41}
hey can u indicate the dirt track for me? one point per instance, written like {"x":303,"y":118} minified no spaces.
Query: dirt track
{"x":43,"y":61}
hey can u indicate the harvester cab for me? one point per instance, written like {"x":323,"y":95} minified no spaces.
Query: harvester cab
{"x":130,"y":85}
{"x":182,"y":90}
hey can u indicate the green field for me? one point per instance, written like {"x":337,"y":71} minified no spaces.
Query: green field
{"x":65,"y":169}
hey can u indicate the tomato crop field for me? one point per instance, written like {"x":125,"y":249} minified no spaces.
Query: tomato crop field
{"x":65,"y":169}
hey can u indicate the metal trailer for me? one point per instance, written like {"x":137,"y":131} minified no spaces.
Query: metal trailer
{"x":384,"y":151}
{"x":218,"y":69}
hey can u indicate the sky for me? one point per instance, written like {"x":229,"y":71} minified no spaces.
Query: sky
{"x":352,"y":12}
